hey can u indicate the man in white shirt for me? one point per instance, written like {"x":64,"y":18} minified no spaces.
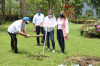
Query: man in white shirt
{"x":37,"y":19}
{"x":15,"y":28}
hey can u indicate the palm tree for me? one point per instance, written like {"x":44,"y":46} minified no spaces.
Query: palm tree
{"x":94,"y":4}
{"x":89,"y":13}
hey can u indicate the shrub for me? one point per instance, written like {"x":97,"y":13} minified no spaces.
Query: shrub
{"x":91,"y":30}
{"x":13,"y":17}
{"x":84,"y":17}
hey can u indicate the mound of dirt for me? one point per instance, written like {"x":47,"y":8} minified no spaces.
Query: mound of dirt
{"x":83,"y":61}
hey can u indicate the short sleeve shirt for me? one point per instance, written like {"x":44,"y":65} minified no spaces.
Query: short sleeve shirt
{"x":16,"y":26}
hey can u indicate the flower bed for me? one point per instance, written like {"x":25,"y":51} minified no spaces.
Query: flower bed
{"x":91,"y":30}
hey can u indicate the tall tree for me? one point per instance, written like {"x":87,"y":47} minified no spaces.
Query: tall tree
{"x":78,"y":5}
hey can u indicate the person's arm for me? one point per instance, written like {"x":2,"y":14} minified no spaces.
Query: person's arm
{"x":34,"y":24}
{"x":42,"y":21}
{"x":24,"y":31}
{"x":24,"y":34}
{"x":34,"y":27}
{"x":66,"y":27}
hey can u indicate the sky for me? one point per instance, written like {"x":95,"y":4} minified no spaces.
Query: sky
{"x":87,"y":8}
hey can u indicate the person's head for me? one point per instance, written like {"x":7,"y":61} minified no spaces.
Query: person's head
{"x":62,"y":15}
{"x":50,"y":13}
{"x":38,"y":11}
{"x":25,"y":20}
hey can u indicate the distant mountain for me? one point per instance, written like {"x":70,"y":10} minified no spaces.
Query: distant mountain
{"x":86,"y":7}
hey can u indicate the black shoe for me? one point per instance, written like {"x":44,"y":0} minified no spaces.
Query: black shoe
{"x":42,"y":40}
{"x":16,"y":52}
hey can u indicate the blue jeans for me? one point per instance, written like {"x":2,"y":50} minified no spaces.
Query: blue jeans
{"x":38,"y":32}
{"x":61,"y":40}
{"x":51,"y":34}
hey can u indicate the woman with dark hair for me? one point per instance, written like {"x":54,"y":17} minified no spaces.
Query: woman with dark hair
{"x":50,"y":30}
{"x":62,"y":30}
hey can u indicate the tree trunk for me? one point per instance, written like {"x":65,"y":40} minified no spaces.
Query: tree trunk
{"x":30,"y":14}
{"x":62,"y":5}
{"x":54,"y":8}
{"x":77,"y":19}
{"x":3,"y":9}
{"x":10,"y":10}
{"x":43,"y":8}
{"x":97,"y":14}
{"x":48,"y":5}
{"x":65,"y":10}
{"x":22,"y":6}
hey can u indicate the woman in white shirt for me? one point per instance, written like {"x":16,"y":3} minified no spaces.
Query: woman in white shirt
{"x":50,"y":30}
{"x":62,"y":30}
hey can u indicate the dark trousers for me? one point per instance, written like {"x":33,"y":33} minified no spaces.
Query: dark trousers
{"x":51,"y":34}
{"x":13,"y":41}
{"x":61,"y":40}
{"x":38,"y":32}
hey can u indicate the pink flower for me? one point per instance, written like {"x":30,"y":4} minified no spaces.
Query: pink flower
{"x":89,"y":25}
{"x":84,"y":25}
{"x":98,"y":21}
{"x":98,"y":26}
{"x":89,"y":32}
{"x":98,"y":30}
{"x":95,"y":24}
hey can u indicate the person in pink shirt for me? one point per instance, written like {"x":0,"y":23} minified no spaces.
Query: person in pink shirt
{"x":62,"y":30}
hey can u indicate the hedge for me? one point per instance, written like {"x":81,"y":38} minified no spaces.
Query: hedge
{"x":82,"y":21}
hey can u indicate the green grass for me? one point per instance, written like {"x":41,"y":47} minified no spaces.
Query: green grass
{"x":76,"y":46}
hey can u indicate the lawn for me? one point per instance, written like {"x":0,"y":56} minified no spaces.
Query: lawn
{"x":76,"y":46}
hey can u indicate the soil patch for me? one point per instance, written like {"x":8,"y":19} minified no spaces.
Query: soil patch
{"x":83,"y":61}
{"x":38,"y":57}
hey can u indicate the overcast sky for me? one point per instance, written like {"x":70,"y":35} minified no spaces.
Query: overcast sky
{"x":87,"y":8}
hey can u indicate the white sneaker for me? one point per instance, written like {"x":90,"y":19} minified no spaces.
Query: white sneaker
{"x":62,"y":53}
{"x":53,"y":51}
{"x":48,"y":49}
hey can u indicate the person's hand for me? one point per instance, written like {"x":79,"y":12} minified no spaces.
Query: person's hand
{"x":41,"y":24}
{"x":27,"y":36}
{"x":34,"y":30}
{"x":66,"y":35}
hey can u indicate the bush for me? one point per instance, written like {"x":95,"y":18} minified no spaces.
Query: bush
{"x":1,"y":21}
{"x":91,"y":30}
{"x":84,"y":17}
{"x":13,"y":17}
